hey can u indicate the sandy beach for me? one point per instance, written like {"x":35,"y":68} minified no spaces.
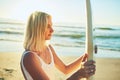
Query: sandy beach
{"x":107,"y":68}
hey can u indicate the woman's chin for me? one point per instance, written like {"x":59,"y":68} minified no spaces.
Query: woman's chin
{"x":48,"y":38}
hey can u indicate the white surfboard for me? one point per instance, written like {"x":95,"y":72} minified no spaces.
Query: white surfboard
{"x":89,"y":33}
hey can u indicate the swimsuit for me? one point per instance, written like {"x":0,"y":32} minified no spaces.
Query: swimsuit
{"x":47,"y":68}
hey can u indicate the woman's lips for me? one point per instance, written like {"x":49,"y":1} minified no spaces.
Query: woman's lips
{"x":50,"y":35}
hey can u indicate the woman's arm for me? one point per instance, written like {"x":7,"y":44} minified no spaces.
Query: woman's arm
{"x":67,"y":68}
{"x":33,"y":66}
{"x":85,"y":72}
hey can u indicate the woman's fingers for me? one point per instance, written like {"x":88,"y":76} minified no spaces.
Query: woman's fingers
{"x":85,"y":57}
{"x":89,"y":72}
{"x":89,"y":68}
{"x":90,"y":62}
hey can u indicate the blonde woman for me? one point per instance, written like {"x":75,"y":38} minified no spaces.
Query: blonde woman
{"x":39,"y":57}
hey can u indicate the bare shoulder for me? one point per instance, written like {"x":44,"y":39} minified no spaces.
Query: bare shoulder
{"x":30,"y":58}
{"x":54,"y":53}
{"x":33,"y":65}
{"x":51,"y":48}
{"x":30,"y":55}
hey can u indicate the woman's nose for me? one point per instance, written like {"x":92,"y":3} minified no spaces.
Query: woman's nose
{"x":52,"y":30}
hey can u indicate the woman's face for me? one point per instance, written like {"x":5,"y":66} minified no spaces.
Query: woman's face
{"x":49,"y":30}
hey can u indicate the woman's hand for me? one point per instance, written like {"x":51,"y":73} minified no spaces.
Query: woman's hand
{"x":88,"y":69}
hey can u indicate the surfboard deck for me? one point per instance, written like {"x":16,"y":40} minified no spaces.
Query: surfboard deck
{"x":89,"y":33}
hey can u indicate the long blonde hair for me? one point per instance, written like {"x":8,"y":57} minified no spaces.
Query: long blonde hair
{"x":35,"y":31}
